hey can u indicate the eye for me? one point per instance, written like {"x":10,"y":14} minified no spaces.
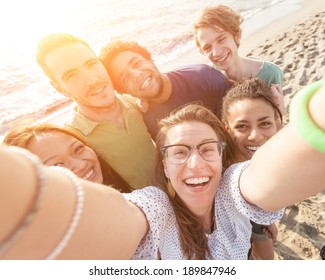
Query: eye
{"x":240,"y":127}
{"x":266,"y":124}
{"x":58,"y":164}
{"x":222,"y":40}
{"x":91,"y":63}
{"x":79,"y":148}
{"x":206,"y":49}
{"x":178,"y":152}
{"x":70,"y":76}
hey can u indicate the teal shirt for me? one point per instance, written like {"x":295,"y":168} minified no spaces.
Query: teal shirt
{"x":270,"y":74}
{"x":130,"y":152}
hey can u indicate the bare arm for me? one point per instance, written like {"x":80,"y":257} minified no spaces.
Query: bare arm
{"x":287,"y":169}
{"x":109,"y":226}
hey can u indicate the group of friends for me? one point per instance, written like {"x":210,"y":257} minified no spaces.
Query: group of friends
{"x":156,"y":165}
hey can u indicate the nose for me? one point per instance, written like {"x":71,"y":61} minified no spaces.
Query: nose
{"x":134,"y":74}
{"x":255,"y":135}
{"x":195,"y":161}
{"x":215,"y":50}
{"x":76,"y":165}
{"x":89,"y":77}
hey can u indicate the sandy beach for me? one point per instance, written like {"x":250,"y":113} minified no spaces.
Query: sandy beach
{"x":296,"y":43}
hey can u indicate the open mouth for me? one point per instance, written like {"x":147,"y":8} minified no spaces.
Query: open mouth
{"x":222,"y":59}
{"x":252,"y":148}
{"x":89,"y":175}
{"x":197,"y":182}
{"x":97,"y":91}
{"x":146,"y":83}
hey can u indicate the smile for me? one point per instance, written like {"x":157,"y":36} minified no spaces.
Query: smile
{"x":89,"y":174}
{"x":97,"y":91}
{"x":222,"y":59}
{"x":146,"y":83}
{"x":197,"y":181}
{"x":252,"y":148}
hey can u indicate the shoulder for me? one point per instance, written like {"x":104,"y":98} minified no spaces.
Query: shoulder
{"x":148,"y":198}
{"x":271,"y":73}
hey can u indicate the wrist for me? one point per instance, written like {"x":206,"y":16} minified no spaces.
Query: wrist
{"x":309,"y":124}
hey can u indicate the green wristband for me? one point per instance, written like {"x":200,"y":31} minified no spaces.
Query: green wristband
{"x":302,"y":120}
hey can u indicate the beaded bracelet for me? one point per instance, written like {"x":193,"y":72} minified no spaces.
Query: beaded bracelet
{"x":22,"y":225}
{"x":78,"y":210}
{"x":33,"y":208}
{"x":301,"y":118}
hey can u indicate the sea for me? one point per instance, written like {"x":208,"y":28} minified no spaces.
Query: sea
{"x":165,"y":27}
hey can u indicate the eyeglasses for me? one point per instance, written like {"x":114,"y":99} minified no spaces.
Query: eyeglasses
{"x":179,"y":154}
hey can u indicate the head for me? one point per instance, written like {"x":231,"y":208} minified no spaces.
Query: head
{"x":191,"y":125}
{"x":74,"y":70}
{"x":131,"y":69}
{"x":196,"y":177}
{"x":56,"y":146}
{"x":218,"y":34}
{"x":250,"y":115}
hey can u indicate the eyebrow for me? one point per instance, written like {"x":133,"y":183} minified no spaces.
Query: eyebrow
{"x":245,"y":121}
{"x":65,"y":74}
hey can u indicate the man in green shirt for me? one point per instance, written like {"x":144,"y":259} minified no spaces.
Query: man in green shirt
{"x":113,"y":126}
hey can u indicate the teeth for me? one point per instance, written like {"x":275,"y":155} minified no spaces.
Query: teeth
{"x":196,"y":181}
{"x":89,"y":174}
{"x":99,"y":90}
{"x":223,"y":58}
{"x":146,"y":83}
{"x":252,"y":148}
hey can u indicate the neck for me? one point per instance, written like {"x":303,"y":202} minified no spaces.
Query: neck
{"x":112,"y":113}
{"x":166,"y":90}
{"x":207,"y":218}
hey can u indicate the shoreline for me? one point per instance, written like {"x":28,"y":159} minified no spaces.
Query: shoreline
{"x":272,"y":21}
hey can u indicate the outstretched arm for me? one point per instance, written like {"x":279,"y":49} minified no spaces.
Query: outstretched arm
{"x":289,"y":168}
{"x":109,"y":227}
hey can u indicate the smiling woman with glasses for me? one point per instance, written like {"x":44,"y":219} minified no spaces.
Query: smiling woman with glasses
{"x":198,"y":212}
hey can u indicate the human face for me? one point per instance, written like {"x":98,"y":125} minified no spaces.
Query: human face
{"x":79,"y":74}
{"x":196,"y":180}
{"x":219,"y":46}
{"x":60,"y":149}
{"x":136,"y":75}
{"x":251,"y":123}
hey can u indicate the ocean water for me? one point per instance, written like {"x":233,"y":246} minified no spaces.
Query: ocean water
{"x":165,"y":27}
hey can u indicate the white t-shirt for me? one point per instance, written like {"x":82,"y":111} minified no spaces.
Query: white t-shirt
{"x":230,"y":239}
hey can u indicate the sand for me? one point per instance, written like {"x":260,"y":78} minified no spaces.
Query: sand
{"x":300,"y":52}
{"x":296,"y":43}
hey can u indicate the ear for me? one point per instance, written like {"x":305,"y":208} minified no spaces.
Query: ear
{"x":238,"y":38}
{"x":165,"y":169}
{"x":227,"y":128}
{"x":57,"y":86}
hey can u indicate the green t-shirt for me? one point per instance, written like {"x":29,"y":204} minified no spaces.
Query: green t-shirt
{"x":130,"y":152}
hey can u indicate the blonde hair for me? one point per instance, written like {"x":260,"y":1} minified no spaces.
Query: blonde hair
{"x":192,"y":234}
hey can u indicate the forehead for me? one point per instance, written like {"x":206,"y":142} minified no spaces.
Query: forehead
{"x":48,"y":143}
{"x":249,"y":109}
{"x":206,"y":34}
{"x":190,"y":133}
{"x":67,"y":57}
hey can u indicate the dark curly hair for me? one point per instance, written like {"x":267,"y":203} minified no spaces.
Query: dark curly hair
{"x":253,"y":88}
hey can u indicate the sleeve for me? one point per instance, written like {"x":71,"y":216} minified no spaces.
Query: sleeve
{"x":155,"y":205}
{"x":272,"y":74}
{"x":258,"y":215}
